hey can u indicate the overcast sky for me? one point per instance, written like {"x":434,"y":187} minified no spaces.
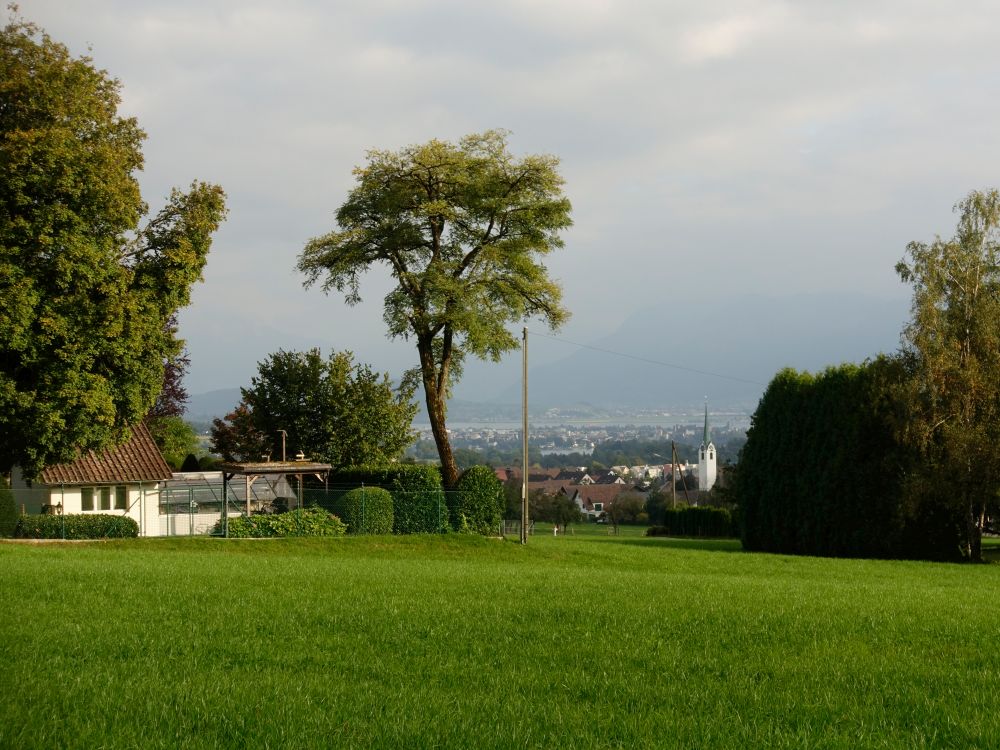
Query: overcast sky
{"x":709,"y":148}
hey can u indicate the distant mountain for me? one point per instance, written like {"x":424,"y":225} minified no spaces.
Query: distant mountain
{"x":203,"y":407}
{"x":724,"y":349}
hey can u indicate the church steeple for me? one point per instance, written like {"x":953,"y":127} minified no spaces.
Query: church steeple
{"x":705,"y":440}
{"x":706,"y":459}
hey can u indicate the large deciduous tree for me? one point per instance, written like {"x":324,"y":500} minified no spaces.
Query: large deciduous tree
{"x":332,"y":410}
{"x":954,"y":336}
{"x":87,"y":288}
{"x":462,"y":228}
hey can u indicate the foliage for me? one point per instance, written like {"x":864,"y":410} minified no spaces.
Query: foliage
{"x":88,"y":293}
{"x":696,"y":522}
{"x":657,"y":503}
{"x":822,"y":472}
{"x":628,"y":507}
{"x":476,"y":504}
{"x":9,"y":514}
{"x":71,"y":526}
{"x":367,"y":510}
{"x":556,"y":508}
{"x":954,"y":339}
{"x":175,"y":438}
{"x":333,"y":410}
{"x":462,"y":228}
{"x":236,"y":438}
{"x":419,"y":504}
{"x":191,"y":463}
{"x":311,"y":521}
{"x":172,"y":399}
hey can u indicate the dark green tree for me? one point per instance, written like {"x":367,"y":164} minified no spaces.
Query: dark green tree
{"x":87,"y":286}
{"x":236,"y":437}
{"x":954,"y":338}
{"x":332,"y":410}
{"x":462,"y":228}
{"x":174,"y":437}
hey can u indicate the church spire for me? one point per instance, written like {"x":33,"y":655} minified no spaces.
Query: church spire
{"x":705,"y":439}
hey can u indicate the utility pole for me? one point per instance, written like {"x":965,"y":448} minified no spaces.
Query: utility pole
{"x":673,"y":475}
{"x":524,"y":440}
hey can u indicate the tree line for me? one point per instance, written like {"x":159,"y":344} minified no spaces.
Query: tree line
{"x":895,"y":457}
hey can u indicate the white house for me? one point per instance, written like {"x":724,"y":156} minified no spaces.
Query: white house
{"x":124,"y":480}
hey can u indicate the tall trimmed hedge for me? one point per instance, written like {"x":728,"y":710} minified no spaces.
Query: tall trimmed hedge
{"x":71,"y":526}
{"x":8,"y":510}
{"x":418,"y":500}
{"x":822,"y":472}
{"x":477,"y":503}
{"x":367,"y":510}
{"x":695,"y":521}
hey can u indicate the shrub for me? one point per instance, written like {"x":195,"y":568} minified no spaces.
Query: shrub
{"x":308,"y":522}
{"x":8,"y":510}
{"x":695,"y":521}
{"x":417,"y":498}
{"x":70,"y":526}
{"x":367,"y":510}
{"x":477,"y":503}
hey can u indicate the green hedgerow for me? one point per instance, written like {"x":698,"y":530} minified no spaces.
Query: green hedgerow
{"x":477,"y":503}
{"x":300,"y":522}
{"x":418,"y":502}
{"x":367,"y":510}
{"x":8,"y":510}
{"x":71,"y":526}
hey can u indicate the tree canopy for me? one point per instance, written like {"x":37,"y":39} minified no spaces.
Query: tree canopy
{"x":462,"y":228}
{"x":88,"y":286}
{"x":954,"y":339}
{"x":333,"y":410}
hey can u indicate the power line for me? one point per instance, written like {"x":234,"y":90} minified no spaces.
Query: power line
{"x":648,"y":360}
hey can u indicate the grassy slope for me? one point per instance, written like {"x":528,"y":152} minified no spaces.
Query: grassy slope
{"x":460,"y":642}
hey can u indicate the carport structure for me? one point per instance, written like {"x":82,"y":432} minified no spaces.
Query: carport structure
{"x":254,"y":471}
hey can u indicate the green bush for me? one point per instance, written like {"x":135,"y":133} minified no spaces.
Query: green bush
{"x":89,"y":526}
{"x":308,"y":522}
{"x":477,"y":503}
{"x":367,"y":510}
{"x":8,"y":510}
{"x":417,"y":498}
{"x":695,"y":521}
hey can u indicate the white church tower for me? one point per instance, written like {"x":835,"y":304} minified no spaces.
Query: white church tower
{"x":706,"y":460}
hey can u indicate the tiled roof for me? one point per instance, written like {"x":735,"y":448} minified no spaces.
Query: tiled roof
{"x":136,"y":460}
{"x":600,"y":493}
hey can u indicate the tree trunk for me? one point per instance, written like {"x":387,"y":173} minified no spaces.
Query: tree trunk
{"x":434,"y":398}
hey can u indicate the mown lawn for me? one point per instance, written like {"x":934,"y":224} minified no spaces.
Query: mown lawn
{"x":585,"y":641}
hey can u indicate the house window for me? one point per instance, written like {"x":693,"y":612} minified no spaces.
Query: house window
{"x":102,"y":498}
{"x":598,"y":506}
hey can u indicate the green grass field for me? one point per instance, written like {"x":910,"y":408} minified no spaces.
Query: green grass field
{"x":578,"y":641}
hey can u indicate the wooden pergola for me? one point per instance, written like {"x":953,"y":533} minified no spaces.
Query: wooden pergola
{"x":253,"y":471}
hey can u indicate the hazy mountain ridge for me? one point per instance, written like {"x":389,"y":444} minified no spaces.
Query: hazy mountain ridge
{"x":746,"y":339}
